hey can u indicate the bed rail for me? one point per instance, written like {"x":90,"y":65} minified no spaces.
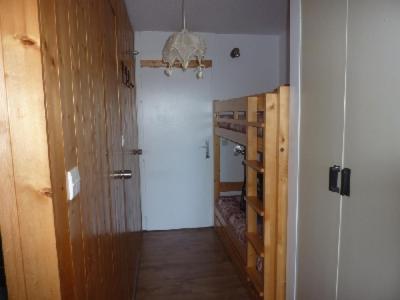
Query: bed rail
{"x":240,"y":113}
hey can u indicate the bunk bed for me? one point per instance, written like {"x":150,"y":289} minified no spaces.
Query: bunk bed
{"x":255,"y":235}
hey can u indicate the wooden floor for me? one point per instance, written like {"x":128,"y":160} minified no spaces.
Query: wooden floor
{"x":187,"y":265}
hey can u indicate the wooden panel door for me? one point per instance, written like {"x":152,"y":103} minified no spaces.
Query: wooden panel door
{"x":132,"y":236}
{"x":370,"y":244}
{"x":130,"y":131}
{"x":323,"y":67}
{"x":114,"y":149}
{"x":130,"y":149}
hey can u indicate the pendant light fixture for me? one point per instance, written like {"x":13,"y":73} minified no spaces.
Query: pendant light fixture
{"x":183,"y":47}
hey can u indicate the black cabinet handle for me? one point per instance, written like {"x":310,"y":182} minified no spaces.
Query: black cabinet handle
{"x":345,"y":182}
{"x":333,"y":178}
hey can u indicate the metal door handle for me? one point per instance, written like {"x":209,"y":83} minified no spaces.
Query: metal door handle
{"x":207,"y":147}
{"x":136,"y":152}
{"x":333,"y":178}
{"x":122,"y":174}
{"x":345,"y":182}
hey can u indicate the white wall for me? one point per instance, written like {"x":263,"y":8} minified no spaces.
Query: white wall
{"x":256,"y":71}
{"x":284,"y":58}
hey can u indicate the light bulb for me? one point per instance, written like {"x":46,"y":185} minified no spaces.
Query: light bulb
{"x":168,"y":72}
{"x":200,"y":73}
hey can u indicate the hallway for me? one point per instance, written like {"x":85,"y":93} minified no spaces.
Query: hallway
{"x":187,"y":265}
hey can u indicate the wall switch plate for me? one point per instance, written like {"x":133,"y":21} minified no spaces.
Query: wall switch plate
{"x":73,"y":183}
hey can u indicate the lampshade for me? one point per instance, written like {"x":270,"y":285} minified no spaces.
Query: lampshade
{"x":184,"y":46}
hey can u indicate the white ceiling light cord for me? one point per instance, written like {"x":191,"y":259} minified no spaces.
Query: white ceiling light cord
{"x":183,"y":15}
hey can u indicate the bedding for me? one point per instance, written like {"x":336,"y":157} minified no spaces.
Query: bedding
{"x":229,"y":207}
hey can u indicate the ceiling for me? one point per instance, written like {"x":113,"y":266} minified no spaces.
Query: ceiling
{"x":217,"y":16}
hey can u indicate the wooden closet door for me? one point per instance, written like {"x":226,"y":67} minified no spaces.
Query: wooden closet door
{"x":130,"y":146}
{"x":114,"y":150}
{"x":322,"y":114}
{"x":370,"y":252}
{"x":131,"y":161}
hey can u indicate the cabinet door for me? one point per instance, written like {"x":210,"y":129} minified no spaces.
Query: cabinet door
{"x":322,"y":113}
{"x":370,"y":253}
{"x":115,"y":155}
{"x":130,"y":147}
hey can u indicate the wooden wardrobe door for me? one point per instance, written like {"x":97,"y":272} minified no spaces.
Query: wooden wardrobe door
{"x":132,"y":238}
{"x":131,"y":160}
{"x":370,"y":252}
{"x":114,"y":149}
{"x":131,"y":146}
{"x":322,"y":113}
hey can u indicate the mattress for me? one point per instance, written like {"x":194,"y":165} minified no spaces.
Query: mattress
{"x":229,"y":208}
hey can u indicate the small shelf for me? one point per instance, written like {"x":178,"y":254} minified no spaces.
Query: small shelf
{"x":254,"y":164}
{"x":159,"y":63}
{"x":256,"y":204}
{"x":255,"y":278}
{"x":256,"y":242}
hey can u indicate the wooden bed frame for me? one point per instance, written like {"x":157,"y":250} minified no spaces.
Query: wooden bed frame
{"x":273,"y":148}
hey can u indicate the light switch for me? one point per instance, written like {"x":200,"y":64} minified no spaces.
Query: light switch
{"x":73,"y":183}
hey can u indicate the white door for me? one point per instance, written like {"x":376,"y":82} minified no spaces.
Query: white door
{"x":322,"y":119}
{"x":370,"y":243}
{"x":176,"y":176}
{"x":349,"y":247}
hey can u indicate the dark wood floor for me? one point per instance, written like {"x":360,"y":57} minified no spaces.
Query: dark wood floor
{"x":187,"y":265}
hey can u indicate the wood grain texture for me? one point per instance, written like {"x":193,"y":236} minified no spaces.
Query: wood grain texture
{"x":187,"y":265}
{"x":282,"y":209}
{"x":231,"y":186}
{"x":251,"y":178}
{"x":9,"y":226}
{"x":234,"y":136}
{"x":51,"y":61}
{"x":127,"y":95}
{"x":28,"y":137}
{"x":240,"y":122}
{"x":217,"y":155}
{"x":231,"y":105}
{"x":270,"y":159}
{"x":273,"y":146}
{"x":160,"y":64}
{"x":63,"y":105}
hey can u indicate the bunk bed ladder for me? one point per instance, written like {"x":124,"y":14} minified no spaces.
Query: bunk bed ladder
{"x":267,"y":155}
{"x":270,"y":197}
{"x":255,"y":244}
{"x":262,"y":244}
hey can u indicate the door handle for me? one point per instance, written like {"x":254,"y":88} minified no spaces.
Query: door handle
{"x":136,"y":152}
{"x":345,"y":182}
{"x":122,"y":174}
{"x":333,"y":178}
{"x":207,"y":147}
